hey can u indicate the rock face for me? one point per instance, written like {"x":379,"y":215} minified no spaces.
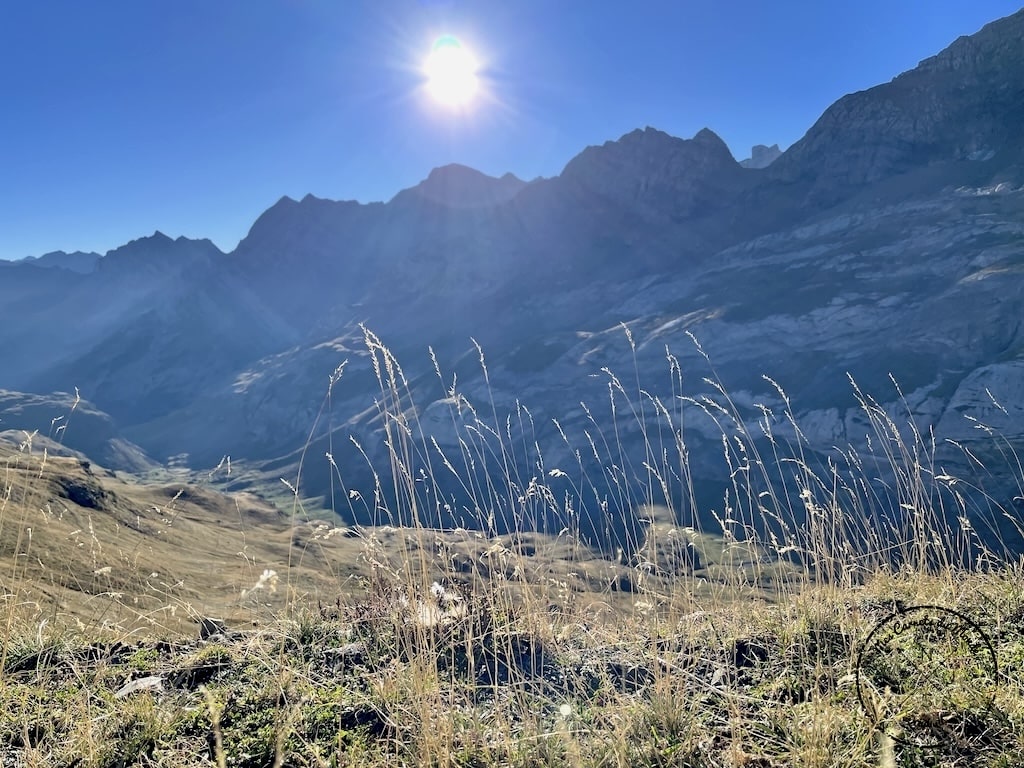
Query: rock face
{"x":884,"y":247}
{"x":966,"y":103}
{"x":762,"y":156}
{"x":657,"y":174}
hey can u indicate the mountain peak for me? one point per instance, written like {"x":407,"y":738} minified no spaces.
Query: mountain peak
{"x":761,"y":156}
{"x":454,"y":171}
{"x":674,"y":176}
{"x":158,"y":237}
{"x":650,"y":146}
{"x":159,"y":250}
{"x":707,"y":136}
{"x":647,"y":132}
{"x":459,"y":186}
{"x":77,"y":261}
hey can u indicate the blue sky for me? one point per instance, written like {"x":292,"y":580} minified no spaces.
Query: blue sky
{"x":121,"y":117}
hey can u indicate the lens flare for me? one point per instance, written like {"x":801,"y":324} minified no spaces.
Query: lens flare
{"x":451,"y":72}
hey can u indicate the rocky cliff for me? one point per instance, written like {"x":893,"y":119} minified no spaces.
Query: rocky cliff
{"x":761,"y":156}
{"x":964,"y":104}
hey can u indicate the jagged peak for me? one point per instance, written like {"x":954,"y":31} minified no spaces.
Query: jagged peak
{"x":158,"y":238}
{"x":287,"y":206}
{"x":310,"y":199}
{"x":77,"y":261}
{"x":647,"y":132}
{"x":761,"y":156}
{"x":651,"y":147}
{"x":640,"y":137}
{"x":159,"y":248}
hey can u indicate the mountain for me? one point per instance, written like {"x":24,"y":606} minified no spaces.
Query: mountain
{"x":884,"y":246}
{"x":657,"y":173}
{"x":77,"y":261}
{"x":964,"y":105}
{"x":457,"y":186}
{"x":762,"y":156}
{"x":159,"y":255}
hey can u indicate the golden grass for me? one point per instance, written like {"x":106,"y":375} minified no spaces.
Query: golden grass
{"x":410,"y":645}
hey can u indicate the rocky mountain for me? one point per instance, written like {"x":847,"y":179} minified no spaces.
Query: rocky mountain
{"x":884,"y":247}
{"x":457,"y":186}
{"x":77,"y":261}
{"x":159,"y":256}
{"x":965,"y":104}
{"x":761,"y":156}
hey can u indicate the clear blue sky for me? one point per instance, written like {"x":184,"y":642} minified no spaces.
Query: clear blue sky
{"x":120,"y":117}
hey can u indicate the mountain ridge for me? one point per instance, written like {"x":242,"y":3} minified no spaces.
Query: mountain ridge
{"x":460,"y":186}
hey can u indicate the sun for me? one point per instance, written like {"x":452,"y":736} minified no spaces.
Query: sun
{"x":451,"y":73}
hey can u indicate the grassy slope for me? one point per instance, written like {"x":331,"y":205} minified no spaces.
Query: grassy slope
{"x":535,"y":651}
{"x":410,"y":646}
{"x":82,"y":546}
{"x":400,"y":678}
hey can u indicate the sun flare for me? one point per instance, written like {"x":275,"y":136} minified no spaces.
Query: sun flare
{"x":451,"y":73}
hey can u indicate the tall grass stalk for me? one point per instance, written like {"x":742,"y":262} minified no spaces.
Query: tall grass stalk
{"x":562,"y":589}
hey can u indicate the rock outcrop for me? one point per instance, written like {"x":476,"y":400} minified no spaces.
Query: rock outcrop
{"x":761,"y":156}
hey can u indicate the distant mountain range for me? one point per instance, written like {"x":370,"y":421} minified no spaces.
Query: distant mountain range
{"x":79,"y":261}
{"x":888,"y":240}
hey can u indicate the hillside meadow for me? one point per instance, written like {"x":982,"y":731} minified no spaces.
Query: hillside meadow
{"x":161,"y":620}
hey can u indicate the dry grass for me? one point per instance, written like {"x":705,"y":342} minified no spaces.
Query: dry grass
{"x":403,"y":644}
{"x":455,"y":679}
